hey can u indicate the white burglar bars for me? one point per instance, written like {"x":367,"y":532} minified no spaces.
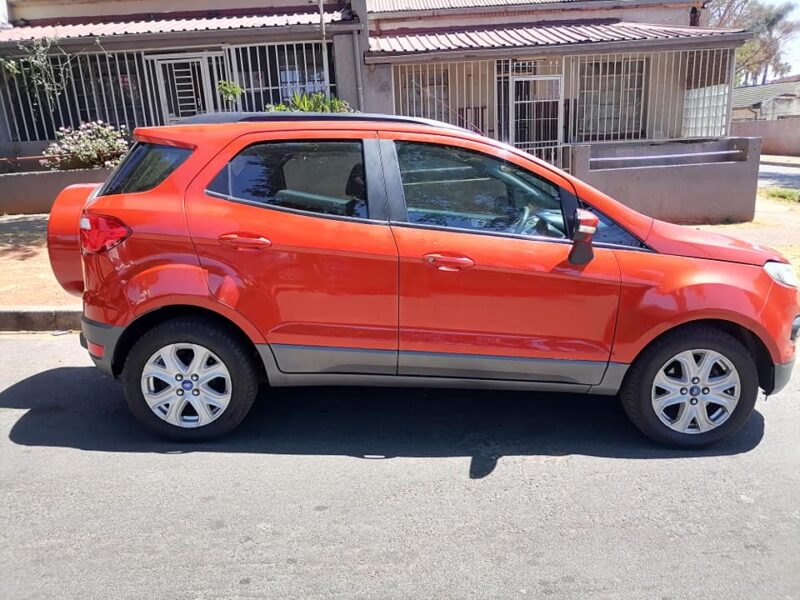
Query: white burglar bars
{"x":134,"y":89}
{"x":544,"y":105}
{"x":111,"y":87}
{"x":648,"y":96}
{"x":272,"y":73}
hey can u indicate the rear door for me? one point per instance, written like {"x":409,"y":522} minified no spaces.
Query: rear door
{"x":486,"y":287}
{"x":292,"y":230}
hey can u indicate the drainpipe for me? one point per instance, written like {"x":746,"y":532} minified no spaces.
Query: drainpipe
{"x":358,"y":64}
{"x":324,"y":49}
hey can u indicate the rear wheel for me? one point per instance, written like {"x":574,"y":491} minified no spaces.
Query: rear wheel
{"x":691,"y":388}
{"x":190,"y":379}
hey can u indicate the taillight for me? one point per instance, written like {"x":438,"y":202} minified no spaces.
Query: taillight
{"x":100,"y":233}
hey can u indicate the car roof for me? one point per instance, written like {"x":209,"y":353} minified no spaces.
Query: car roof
{"x":219,"y":118}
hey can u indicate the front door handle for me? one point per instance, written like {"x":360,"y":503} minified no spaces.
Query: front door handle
{"x":244,"y":241}
{"x":444,"y":262}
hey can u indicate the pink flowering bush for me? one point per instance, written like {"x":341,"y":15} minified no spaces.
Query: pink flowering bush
{"x":90,"y":146}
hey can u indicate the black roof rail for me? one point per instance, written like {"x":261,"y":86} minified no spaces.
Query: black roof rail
{"x":217,"y":118}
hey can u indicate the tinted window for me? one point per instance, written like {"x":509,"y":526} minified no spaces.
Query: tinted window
{"x":321,"y":177}
{"x":145,"y":166}
{"x":608,"y":232}
{"x":454,"y":187}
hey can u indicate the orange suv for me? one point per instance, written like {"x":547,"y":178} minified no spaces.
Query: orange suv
{"x":294,"y":249}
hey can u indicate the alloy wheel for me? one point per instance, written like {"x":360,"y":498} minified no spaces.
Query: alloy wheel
{"x":186,"y":385}
{"x":696,"y":391}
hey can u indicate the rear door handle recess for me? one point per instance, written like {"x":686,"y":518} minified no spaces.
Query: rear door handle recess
{"x":244,"y":241}
{"x":448,"y":263}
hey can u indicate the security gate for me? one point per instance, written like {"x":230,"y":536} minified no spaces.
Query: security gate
{"x":187,"y":84}
{"x":536,"y":113}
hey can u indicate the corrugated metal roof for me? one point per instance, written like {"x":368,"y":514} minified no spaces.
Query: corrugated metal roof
{"x":86,"y":30}
{"x":588,"y":32}
{"x":390,"y":6}
{"x":745,"y":97}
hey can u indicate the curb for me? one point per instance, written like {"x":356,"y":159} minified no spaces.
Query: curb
{"x":40,"y":318}
{"x":777,"y":163}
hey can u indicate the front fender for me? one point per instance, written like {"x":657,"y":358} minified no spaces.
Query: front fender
{"x":660,"y":292}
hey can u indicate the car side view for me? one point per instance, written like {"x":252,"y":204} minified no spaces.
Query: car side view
{"x":309,"y":250}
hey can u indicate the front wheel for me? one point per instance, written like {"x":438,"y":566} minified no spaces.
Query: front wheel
{"x":691,"y":388}
{"x":189,"y":379}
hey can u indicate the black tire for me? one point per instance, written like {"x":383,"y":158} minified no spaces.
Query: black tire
{"x":225,"y":344}
{"x":636,"y":389}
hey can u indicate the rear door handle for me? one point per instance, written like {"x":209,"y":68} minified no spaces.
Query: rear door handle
{"x":244,"y":241}
{"x":444,"y":262}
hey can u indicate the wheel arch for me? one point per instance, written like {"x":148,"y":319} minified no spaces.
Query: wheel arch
{"x":152,"y":318}
{"x":747,"y":337}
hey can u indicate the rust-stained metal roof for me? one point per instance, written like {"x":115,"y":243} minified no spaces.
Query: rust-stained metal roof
{"x":169,"y":25}
{"x":534,"y":35}
{"x":393,"y":6}
{"x":379,"y":7}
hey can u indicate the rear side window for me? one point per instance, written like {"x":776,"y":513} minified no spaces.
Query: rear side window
{"x":324,"y":177}
{"x":145,"y":166}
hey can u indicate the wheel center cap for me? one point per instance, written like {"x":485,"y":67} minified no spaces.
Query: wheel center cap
{"x":186,"y":385}
{"x":694,"y":390}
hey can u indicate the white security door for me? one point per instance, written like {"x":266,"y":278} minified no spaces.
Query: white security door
{"x":187,"y":84}
{"x":537,"y":114}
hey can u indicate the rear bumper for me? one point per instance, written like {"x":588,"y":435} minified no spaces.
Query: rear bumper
{"x":101,"y":341}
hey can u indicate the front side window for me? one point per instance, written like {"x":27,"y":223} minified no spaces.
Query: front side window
{"x":325,"y":177}
{"x":448,"y":186}
{"x":145,"y":166}
{"x":608,"y":232}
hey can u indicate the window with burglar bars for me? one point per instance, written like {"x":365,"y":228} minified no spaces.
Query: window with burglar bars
{"x":610,"y":100}
{"x":270,"y":74}
{"x":134,"y":89}
{"x":545,"y":104}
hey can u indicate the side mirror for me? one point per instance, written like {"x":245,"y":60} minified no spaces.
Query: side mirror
{"x":585,"y":226}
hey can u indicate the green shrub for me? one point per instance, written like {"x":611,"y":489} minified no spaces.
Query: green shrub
{"x":314,"y":102}
{"x":230,"y":91}
{"x":783,"y":194}
{"x":90,"y":146}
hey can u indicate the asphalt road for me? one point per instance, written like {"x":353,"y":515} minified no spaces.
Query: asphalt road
{"x":327,"y":493}
{"x":778,"y":176}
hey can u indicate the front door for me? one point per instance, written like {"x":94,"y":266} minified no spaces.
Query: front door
{"x":291,"y":230}
{"x":186,"y":86}
{"x":486,"y":287}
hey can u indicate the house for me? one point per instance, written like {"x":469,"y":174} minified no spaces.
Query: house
{"x":779,"y":100}
{"x":586,"y":84}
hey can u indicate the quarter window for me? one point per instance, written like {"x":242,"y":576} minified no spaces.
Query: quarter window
{"x":145,"y":167}
{"x":325,"y":177}
{"x":452,"y":187}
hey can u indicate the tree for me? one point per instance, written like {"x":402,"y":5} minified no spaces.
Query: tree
{"x":772,"y":28}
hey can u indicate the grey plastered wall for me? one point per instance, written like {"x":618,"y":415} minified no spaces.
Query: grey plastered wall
{"x":778,"y":137}
{"x":345,"y":65}
{"x":378,"y":94}
{"x":28,"y":193}
{"x":723,"y":188}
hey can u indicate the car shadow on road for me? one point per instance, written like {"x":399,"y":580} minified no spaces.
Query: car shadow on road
{"x":78,"y":407}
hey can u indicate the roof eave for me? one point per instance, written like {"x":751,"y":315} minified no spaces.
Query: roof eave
{"x":126,"y":38}
{"x":731,"y":40}
{"x":514,"y":8}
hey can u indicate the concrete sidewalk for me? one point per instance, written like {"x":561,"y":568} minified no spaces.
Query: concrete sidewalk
{"x":780,"y":161}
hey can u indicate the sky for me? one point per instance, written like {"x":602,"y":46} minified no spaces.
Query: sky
{"x":793,"y":48}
